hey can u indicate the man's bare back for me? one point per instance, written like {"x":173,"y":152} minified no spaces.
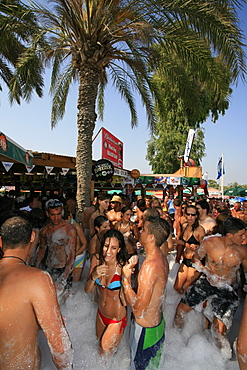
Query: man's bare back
{"x":208,"y":224}
{"x":27,"y":301}
{"x":146,"y":304}
{"x":154,"y":270}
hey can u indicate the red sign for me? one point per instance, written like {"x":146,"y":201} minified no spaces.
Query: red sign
{"x":112,"y":148}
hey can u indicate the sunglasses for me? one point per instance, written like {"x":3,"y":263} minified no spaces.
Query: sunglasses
{"x":183,"y":207}
{"x":52,"y":203}
{"x":191,"y":214}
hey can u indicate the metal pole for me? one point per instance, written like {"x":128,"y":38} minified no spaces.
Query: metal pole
{"x":97,"y":134}
{"x":222,"y":177}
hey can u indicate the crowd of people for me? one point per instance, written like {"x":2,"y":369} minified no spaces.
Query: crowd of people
{"x":125,"y":245}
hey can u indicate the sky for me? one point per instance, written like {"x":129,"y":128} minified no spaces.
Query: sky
{"x":29,"y":125}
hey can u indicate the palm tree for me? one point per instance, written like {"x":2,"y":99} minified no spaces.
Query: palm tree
{"x":96,"y":41}
{"x":17,"y":26}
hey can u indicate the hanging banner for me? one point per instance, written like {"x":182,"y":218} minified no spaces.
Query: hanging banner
{"x":147,"y":180}
{"x":29,"y":168}
{"x":65,"y":171}
{"x":174,"y":181}
{"x":7,"y":165}
{"x":160,"y":180}
{"x":48,"y":169}
{"x":190,"y":181}
{"x":112,"y":148}
{"x":189,"y":143}
{"x":11,"y":150}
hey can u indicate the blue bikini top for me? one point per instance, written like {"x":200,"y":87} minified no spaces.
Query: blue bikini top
{"x":115,"y":283}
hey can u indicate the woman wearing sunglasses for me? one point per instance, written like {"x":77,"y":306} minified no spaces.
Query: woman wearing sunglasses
{"x":192,"y":235}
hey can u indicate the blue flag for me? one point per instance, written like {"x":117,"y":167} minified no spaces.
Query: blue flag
{"x":219,"y":169}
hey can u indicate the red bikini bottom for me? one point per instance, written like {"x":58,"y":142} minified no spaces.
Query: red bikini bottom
{"x":108,"y":321}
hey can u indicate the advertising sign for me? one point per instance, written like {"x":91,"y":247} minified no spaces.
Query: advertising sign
{"x":112,"y":148}
{"x":103,"y":170}
{"x":14,"y":151}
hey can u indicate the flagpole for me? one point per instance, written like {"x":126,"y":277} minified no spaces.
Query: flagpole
{"x":222,"y":177}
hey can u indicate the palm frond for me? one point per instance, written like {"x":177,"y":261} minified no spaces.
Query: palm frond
{"x":60,"y":94}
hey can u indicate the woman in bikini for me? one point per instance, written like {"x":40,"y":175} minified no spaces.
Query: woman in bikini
{"x":131,"y":237}
{"x":181,"y":221}
{"x":105,"y":273}
{"x":101,"y":226}
{"x":192,"y":236}
{"x":129,"y":230}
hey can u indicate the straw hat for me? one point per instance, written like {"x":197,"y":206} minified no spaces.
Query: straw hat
{"x":116,"y":198}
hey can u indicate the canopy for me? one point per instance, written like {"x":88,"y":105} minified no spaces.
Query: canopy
{"x":138,"y":192}
{"x":237,"y":191}
{"x":114,"y":191}
{"x":10,"y":151}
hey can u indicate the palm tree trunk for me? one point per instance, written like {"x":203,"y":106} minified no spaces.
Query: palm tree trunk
{"x":86,"y":117}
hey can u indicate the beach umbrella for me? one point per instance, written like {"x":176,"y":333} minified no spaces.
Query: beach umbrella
{"x":236,"y":191}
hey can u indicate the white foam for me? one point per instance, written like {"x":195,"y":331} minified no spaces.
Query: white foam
{"x":193,"y":348}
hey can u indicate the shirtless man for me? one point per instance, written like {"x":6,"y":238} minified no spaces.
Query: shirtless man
{"x":237,"y":211}
{"x":223,"y":256}
{"x":148,"y":326}
{"x":168,"y":245}
{"x":27,"y":302}
{"x":59,"y":237}
{"x":71,"y":204}
{"x":205,"y":220}
{"x":140,"y":208}
{"x":115,"y":215}
{"x":85,"y":217}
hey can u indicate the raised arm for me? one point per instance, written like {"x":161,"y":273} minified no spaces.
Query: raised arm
{"x":199,"y":254}
{"x":46,"y":309}
{"x":95,"y":271}
{"x":139,"y":301}
{"x":135,"y":232}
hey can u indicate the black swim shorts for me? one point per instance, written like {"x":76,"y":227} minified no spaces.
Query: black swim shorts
{"x":224,"y":301}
